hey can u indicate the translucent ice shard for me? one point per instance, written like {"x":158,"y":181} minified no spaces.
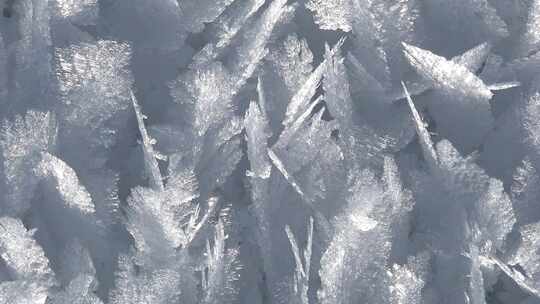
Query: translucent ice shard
{"x":423,"y":135}
{"x":252,"y":46}
{"x":301,"y":100}
{"x":257,"y":134}
{"x":150,"y":156}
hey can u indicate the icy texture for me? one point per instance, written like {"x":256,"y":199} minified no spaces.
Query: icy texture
{"x":332,"y":15}
{"x":257,"y":134}
{"x":79,"y":274}
{"x":160,"y":286}
{"x":93,"y":70}
{"x":196,"y":13}
{"x":150,"y":156}
{"x":468,"y":95}
{"x":303,"y":263}
{"x":83,"y":12}
{"x":269,"y":151}
{"x":407,"y":282}
{"x":226,"y":28}
{"x":23,"y":140}
{"x":155,"y":215}
{"x":33,"y":265}
{"x":66,"y":182}
{"x":222,"y":270}
{"x":423,"y":135}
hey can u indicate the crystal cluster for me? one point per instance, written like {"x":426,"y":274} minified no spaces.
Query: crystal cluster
{"x":270,"y":151}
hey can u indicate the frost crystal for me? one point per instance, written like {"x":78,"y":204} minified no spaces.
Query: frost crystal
{"x":269,"y":151}
{"x":155,"y":215}
{"x":222,"y":272}
{"x":226,"y":28}
{"x":300,"y":101}
{"x":332,"y":15}
{"x":423,"y":135}
{"x":446,"y":74}
{"x":206,"y":92}
{"x":467,"y":101}
{"x":257,"y":137}
{"x":160,"y":286}
{"x":303,"y":264}
{"x":22,"y":143}
{"x":472,"y":59}
{"x":94,"y":70}
{"x":66,"y":182}
{"x":150,"y":157}
{"x":22,"y":255}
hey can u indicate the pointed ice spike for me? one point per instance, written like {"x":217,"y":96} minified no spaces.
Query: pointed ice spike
{"x":423,"y":135}
{"x":262,"y":97}
{"x":226,"y":28}
{"x":279,"y":165}
{"x":323,"y":225}
{"x":300,"y":101}
{"x":150,"y":161}
{"x":472,"y":59}
{"x":446,"y":74}
{"x":301,"y":277}
{"x":252,"y":49}
{"x":504,"y":85}
{"x":289,"y":132}
{"x":222,"y":270}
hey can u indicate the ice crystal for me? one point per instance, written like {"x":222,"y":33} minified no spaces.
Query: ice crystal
{"x":332,"y":15}
{"x":269,"y":151}
{"x":65,"y":180}
{"x":21,"y":254}
{"x":222,"y":270}
{"x":303,"y":264}
{"x":22,"y":142}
